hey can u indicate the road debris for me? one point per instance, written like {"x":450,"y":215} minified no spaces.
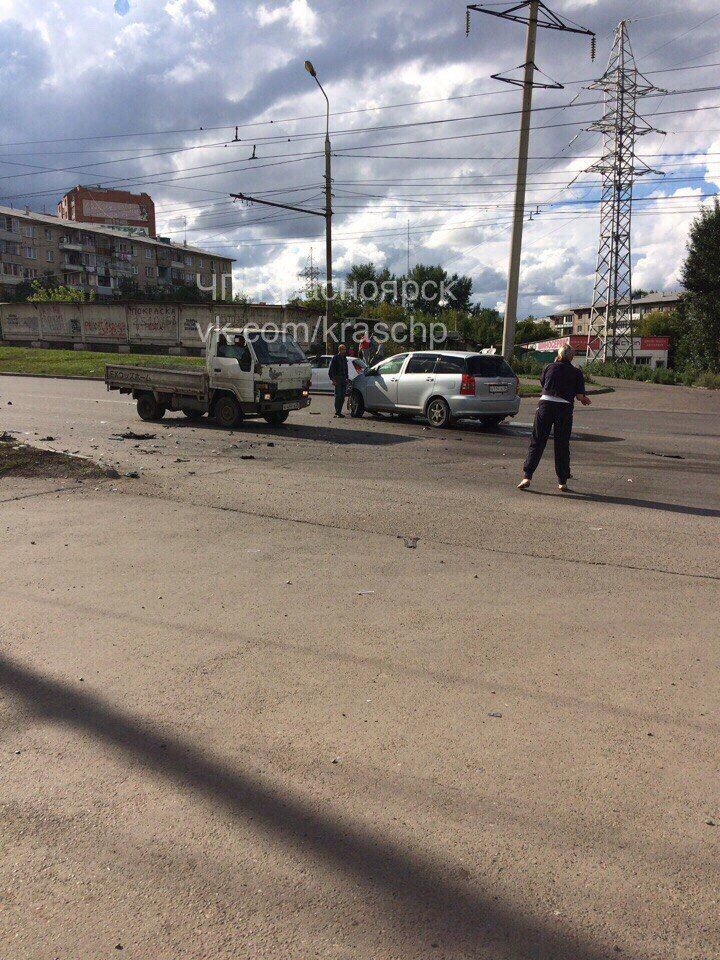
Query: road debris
{"x":410,"y":542}
{"x":132,"y":435}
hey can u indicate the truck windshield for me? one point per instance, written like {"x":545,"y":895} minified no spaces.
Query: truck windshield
{"x":276,"y":348}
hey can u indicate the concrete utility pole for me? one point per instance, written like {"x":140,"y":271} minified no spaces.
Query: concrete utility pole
{"x":513,"y":285}
{"x":328,"y":210}
{"x":528,"y":12}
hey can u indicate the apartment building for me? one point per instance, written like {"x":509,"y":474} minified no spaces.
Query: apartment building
{"x":130,"y":212}
{"x":575,"y":321}
{"x":89,"y":257}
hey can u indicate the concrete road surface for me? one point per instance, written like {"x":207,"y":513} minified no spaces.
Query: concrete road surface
{"x":338,"y":690}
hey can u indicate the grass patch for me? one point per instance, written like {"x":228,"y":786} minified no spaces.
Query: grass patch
{"x":530,"y":388}
{"x":18,"y":459}
{"x":81,"y":363}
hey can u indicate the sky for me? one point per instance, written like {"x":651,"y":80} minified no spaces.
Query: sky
{"x":147,"y":95}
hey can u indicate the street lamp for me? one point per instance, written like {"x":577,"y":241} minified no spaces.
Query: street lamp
{"x":328,"y":208}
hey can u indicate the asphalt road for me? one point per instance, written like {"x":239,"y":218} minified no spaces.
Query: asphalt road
{"x":245,"y":713}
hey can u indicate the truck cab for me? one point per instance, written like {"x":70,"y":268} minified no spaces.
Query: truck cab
{"x":265,"y":371}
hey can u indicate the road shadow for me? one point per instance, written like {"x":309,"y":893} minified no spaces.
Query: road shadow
{"x":522,"y":431}
{"x":297,"y":431}
{"x":632,"y":502}
{"x":429,"y":902}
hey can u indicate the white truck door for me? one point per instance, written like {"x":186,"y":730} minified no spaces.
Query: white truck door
{"x":232,"y":367}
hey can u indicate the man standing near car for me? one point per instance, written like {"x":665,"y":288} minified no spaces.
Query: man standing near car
{"x":562,"y":383}
{"x":338,"y":373}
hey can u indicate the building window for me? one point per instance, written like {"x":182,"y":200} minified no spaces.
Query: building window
{"x":149,"y":271}
{"x":148,"y":253}
{"x":49,"y":256}
{"x":134,"y":270}
{"x":29,"y":230}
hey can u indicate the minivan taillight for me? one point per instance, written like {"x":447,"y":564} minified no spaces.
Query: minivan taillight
{"x":467,"y":386}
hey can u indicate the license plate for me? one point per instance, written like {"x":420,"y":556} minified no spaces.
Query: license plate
{"x":291,"y":406}
{"x":498,"y":388}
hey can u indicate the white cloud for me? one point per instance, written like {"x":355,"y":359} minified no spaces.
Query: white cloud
{"x":298,"y":14}
{"x":182,"y":11}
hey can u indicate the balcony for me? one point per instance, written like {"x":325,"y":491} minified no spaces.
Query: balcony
{"x":67,"y":244}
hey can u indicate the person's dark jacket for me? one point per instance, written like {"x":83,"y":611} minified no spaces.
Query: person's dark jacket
{"x":338,"y":369}
{"x":562,"y":379}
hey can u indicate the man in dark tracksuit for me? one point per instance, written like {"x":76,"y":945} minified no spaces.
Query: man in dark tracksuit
{"x":338,"y":373}
{"x":561,"y":384}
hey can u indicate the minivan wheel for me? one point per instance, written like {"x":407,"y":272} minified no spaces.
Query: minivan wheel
{"x":438,"y":413}
{"x":227,"y":412}
{"x":148,"y":408}
{"x":357,"y":404}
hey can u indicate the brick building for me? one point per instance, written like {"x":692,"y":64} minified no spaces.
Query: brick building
{"x":130,"y":212}
{"x":97,"y":258}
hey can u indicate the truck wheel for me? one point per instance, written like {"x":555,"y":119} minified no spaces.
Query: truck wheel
{"x":148,"y":408}
{"x":357,"y":404}
{"x":193,"y":414}
{"x":438,"y":413}
{"x":276,"y":419}
{"x":227,"y":412}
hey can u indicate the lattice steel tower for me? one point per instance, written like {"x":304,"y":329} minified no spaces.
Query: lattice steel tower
{"x":611,"y":325}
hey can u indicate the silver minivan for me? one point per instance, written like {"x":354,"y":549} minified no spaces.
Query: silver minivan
{"x":441,"y":385}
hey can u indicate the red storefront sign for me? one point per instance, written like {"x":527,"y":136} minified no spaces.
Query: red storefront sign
{"x":654,"y":343}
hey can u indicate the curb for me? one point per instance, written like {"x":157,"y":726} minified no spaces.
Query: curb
{"x":51,"y":376}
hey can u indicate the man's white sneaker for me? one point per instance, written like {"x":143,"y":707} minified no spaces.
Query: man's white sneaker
{"x":524,"y":484}
{"x":562,"y":487}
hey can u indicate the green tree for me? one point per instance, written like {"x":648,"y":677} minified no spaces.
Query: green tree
{"x":701,"y":279}
{"x":672,"y":324}
{"x":436,"y":289}
{"x":488,"y":327}
{"x":58,"y":294}
{"x":531,"y":330}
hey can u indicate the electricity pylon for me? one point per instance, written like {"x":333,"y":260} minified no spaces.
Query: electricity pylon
{"x":311,"y":275}
{"x":611,"y":322}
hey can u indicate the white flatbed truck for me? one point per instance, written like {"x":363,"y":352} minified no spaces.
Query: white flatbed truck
{"x":249,"y":372}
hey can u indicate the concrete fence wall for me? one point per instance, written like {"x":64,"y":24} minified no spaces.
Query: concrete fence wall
{"x":166,"y":327}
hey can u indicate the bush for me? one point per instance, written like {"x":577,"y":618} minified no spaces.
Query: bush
{"x":528,"y":365}
{"x":628,"y":371}
{"x":707,"y":379}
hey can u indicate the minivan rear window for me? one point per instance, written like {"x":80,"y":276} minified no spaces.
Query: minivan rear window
{"x":489,"y":366}
{"x":447,"y":364}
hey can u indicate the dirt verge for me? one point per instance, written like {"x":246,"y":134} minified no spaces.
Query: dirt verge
{"x":18,"y":459}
